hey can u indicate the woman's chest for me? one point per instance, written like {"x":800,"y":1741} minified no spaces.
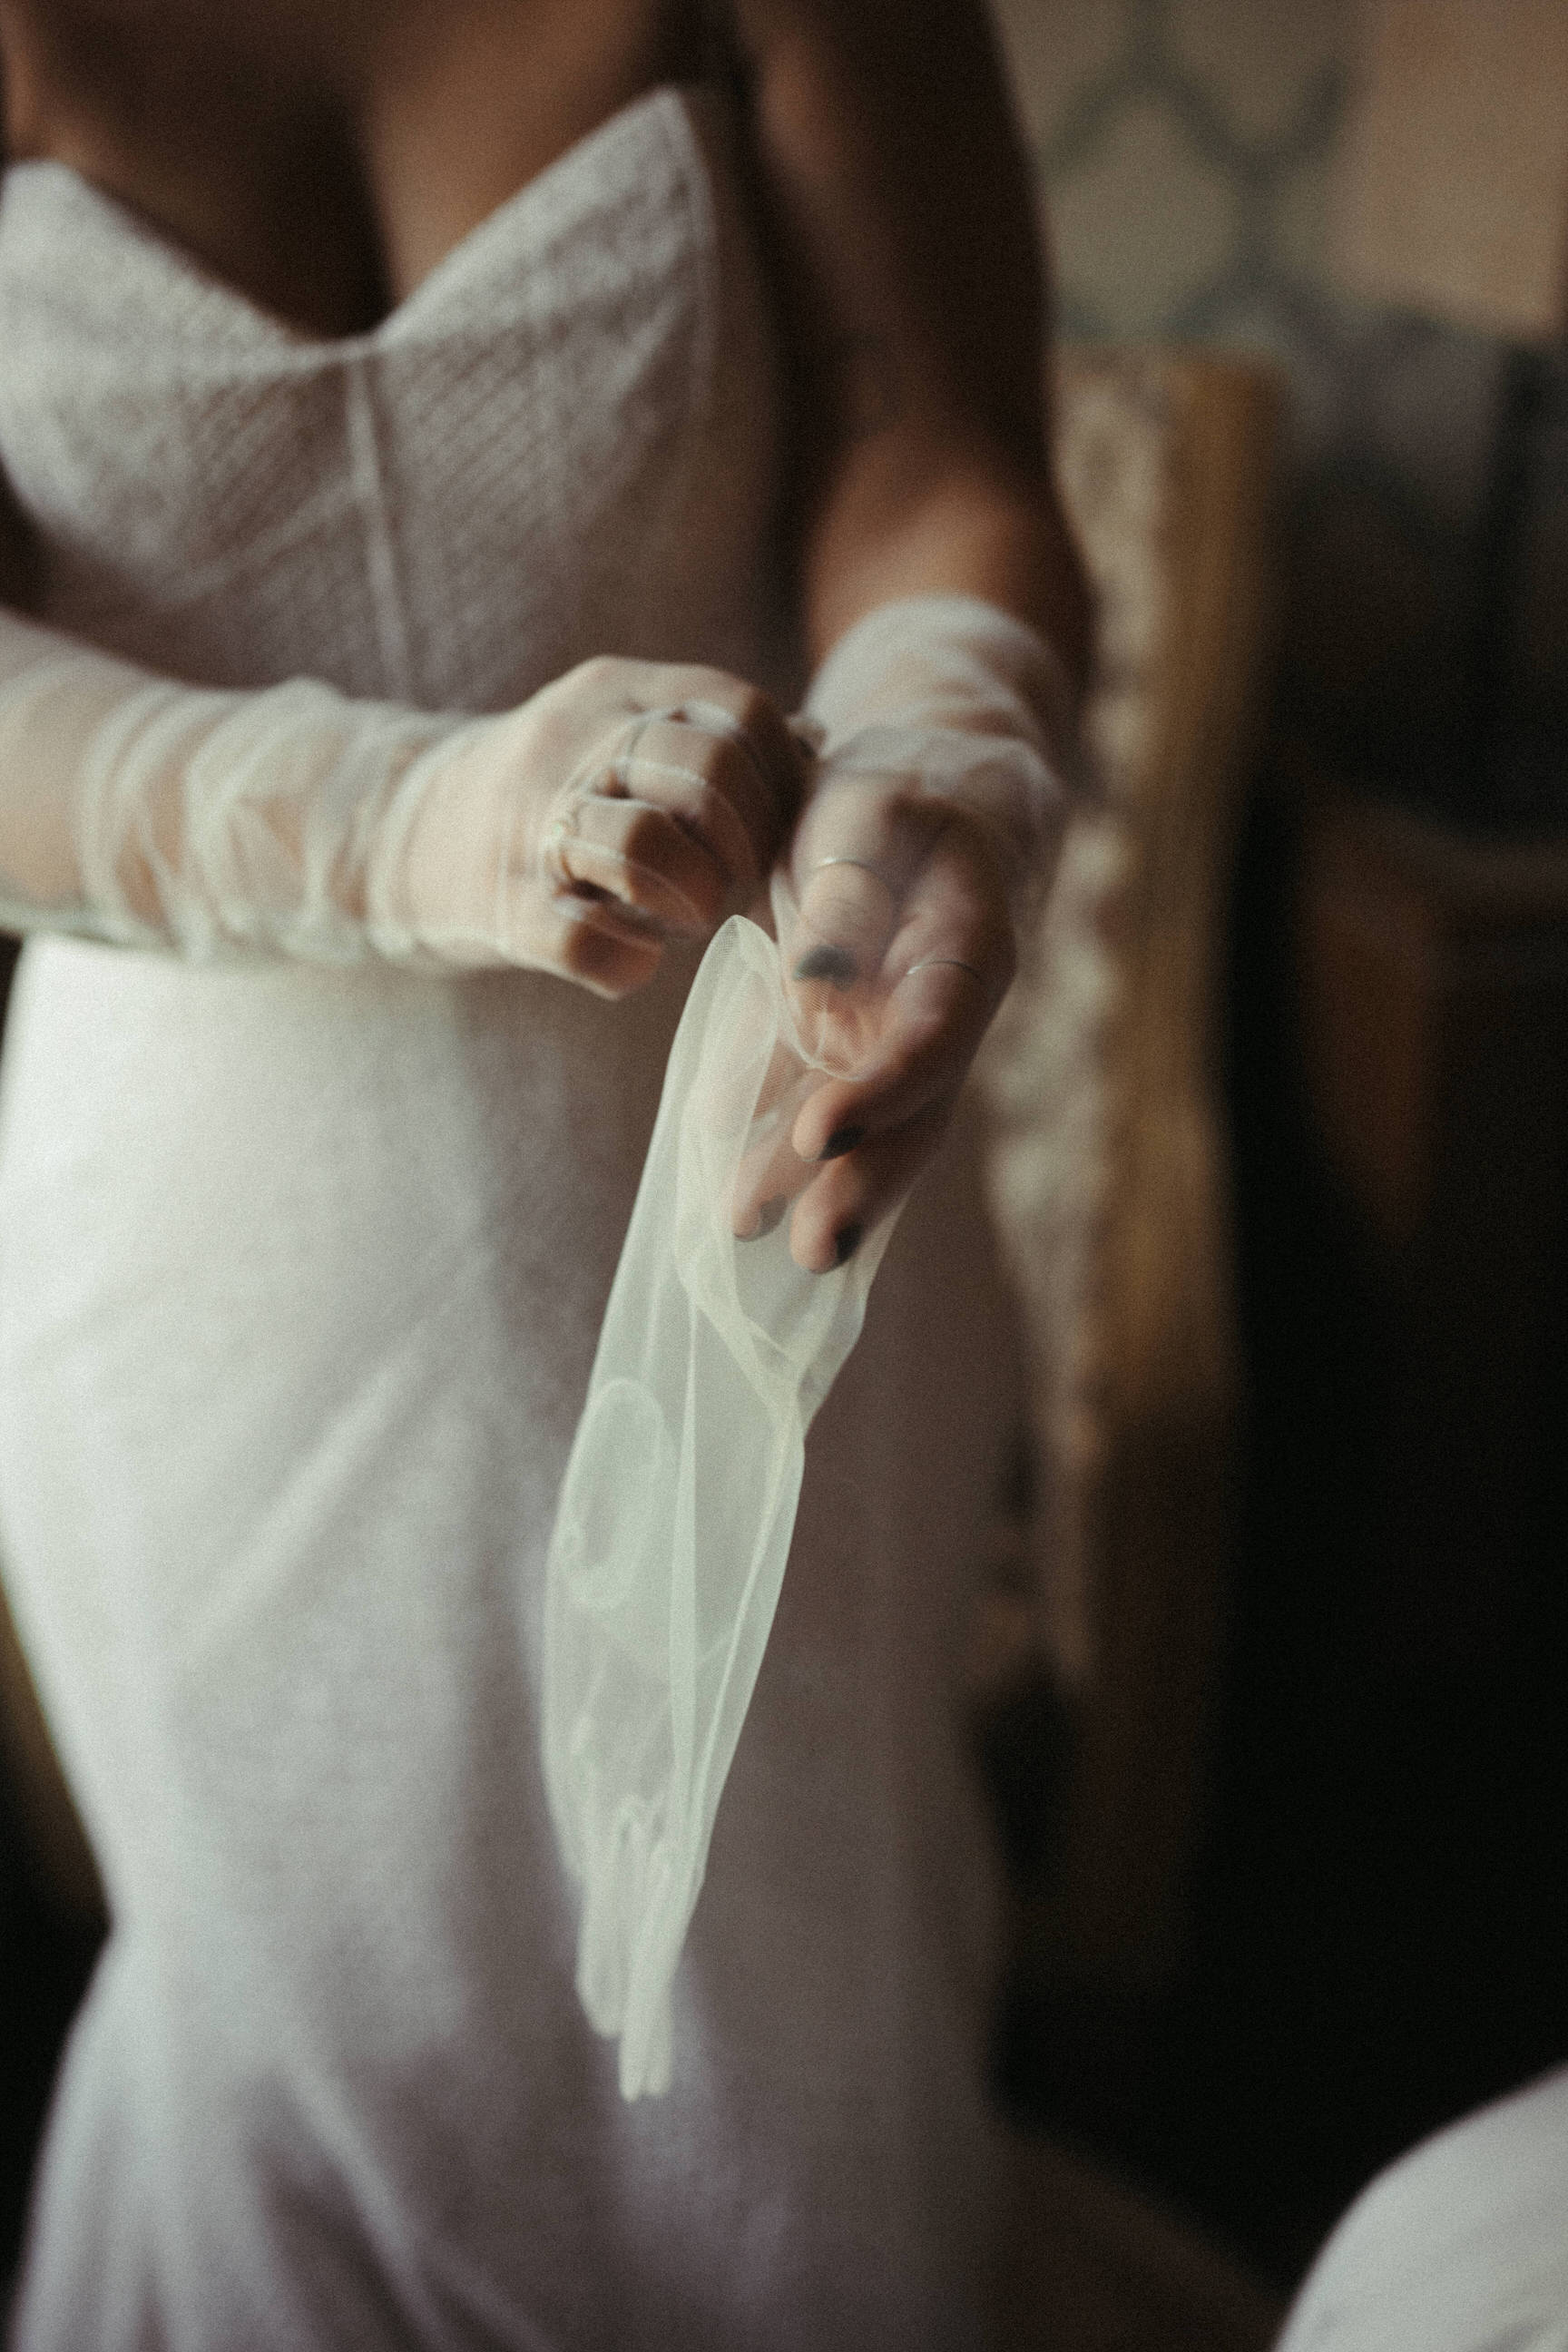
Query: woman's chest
{"x":322,"y":159}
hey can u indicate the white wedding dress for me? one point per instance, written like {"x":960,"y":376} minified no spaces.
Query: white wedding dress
{"x":300,"y":1275}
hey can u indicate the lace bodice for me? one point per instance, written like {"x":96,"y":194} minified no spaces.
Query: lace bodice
{"x":562,"y":442}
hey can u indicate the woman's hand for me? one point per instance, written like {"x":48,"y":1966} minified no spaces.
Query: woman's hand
{"x":903,"y":227}
{"x":897,"y":937}
{"x":626,"y":804}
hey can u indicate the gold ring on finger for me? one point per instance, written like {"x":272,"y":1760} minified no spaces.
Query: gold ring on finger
{"x":865,"y":866}
{"x":957,"y":964}
{"x":619,"y":768}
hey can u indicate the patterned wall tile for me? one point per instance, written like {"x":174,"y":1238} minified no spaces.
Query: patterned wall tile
{"x":1142,"y":220}
{"x":1303,"y":201}
{"x":1262,"y":65}
{"x":1186,"y":153}
{"x":1056,"y":51}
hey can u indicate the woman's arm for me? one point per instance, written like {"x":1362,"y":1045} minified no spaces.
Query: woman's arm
{"x":941,"y":594}
{"x":898,"y":199}
{"x":625,"y":801}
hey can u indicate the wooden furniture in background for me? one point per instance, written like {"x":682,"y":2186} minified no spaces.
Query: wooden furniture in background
{"x":1434,"y":1007}
{"x":1109,"y":1180}
{"x":1433,"y":1010}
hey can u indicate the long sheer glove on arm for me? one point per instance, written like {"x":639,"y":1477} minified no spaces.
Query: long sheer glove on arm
{"x":625,"y":802}
{"x":944,"y":727}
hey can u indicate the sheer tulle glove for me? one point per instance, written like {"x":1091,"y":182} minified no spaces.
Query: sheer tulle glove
{"x":944,"y":729}
{"x":624,"y":804}
{"x":627,"y":804}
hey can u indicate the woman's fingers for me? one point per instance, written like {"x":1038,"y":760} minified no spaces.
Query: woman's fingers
{"x":946,"y":969}
{"x":675,"y":819}
{"x":856,"y":1145}
{"x":772,"y":1173}
{"x":623,"y":803}
{"x":848,"y":1197}
{"x":640,"y":855}
{"x":857,"y":854}
{"x":728,"y":733}
{"x":899,"y":957}
{"x":587,"y":940}
{"x":930,"y":1031}
{"x":923,"y":939}
{"x":848,"y":912}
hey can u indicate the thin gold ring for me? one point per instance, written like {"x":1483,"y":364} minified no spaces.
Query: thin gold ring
{"x":864,"y":863}
{"x":636,"y":727}
{"x":956,"y":961}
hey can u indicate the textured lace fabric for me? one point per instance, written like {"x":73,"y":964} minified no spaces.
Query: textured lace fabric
{"x":523,"y":460}
{"x":301,"y":1272}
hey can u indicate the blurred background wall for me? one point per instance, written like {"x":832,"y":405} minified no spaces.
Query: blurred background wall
{"x":1191,"y":155}
{"x":1379,"y":1917}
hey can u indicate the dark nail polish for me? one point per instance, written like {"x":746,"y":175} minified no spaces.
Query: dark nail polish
{"x":770,"y":1216}
{"x":850,"y":1240}
{"x":835,"y":964}
{"x":842,"y":1140}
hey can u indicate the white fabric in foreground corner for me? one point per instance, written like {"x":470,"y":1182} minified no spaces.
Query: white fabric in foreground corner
{"x":1462,"y":2246}
{"x":679,"y":1498}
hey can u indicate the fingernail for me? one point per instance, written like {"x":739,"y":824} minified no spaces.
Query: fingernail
{"x":849,"y":1239}
{"x":770,"y":1216}
{"x":835,"y":964}
{"x":842,"y":1140}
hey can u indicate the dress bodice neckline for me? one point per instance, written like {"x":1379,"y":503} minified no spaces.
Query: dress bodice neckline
{"x":573,"y":168}
{"x":563,"y":442}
